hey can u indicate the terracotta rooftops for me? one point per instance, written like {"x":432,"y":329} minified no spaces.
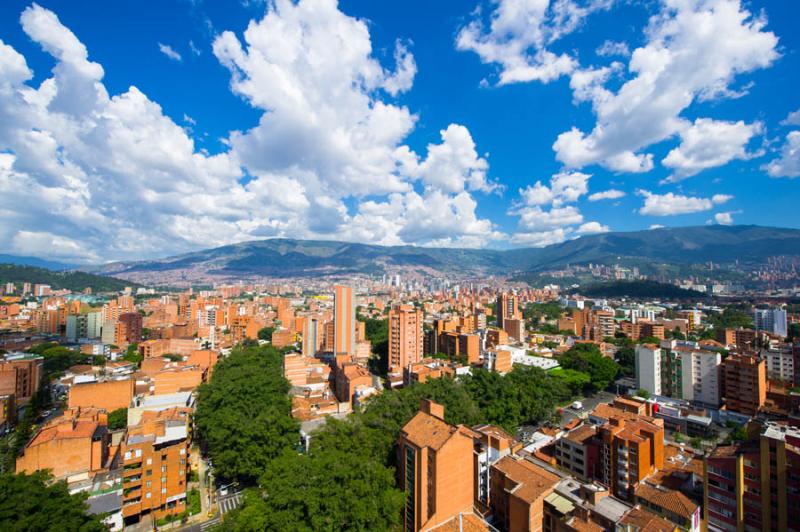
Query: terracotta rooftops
{"x":531,"y":480}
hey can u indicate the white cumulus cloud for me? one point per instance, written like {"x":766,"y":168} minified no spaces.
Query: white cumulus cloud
{"x":606,"y":194}
{"x":788,"y":163}
{"x":671,"y":204}
{"x":668,"y":74}
{"x":170,"y":52}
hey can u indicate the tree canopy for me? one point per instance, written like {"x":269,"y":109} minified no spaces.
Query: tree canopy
{"x":244,"y":413}
{"x":31,"y":502}
{"x":587,"y":358}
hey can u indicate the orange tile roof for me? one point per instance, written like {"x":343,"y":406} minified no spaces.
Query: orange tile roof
{"x":81,"y":429}
{"x":425,"y":430}
{"x":671,"y":500}
{"x":581,"y":434}
{"x":465,"y":522}
{"x":532,"y":481}
{"x":645,"y":521}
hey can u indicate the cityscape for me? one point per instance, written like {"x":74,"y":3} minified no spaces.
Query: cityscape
{"x":268,"y":287}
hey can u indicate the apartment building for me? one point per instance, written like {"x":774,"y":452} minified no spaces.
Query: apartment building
{"x":772,"y":320}
{"x":745,"y":383}
{"x":344,"y":321}
{"x":780,"y":363}
{"x":687,"y":372}
{"x":648,"y":365}
{"x":506,"y":307}
{"x":405,"y":337}
{"x":518,"y":491}
{"x":754,"y":485}
{"x":20,"y":376}
{"x":155,"y":464}
{"x":434,"y":468}
{"x":576,"y":452}
{"x":74,"y":444}
{"x":109,"y":395}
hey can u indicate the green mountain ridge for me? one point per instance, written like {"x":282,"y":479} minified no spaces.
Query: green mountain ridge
{"x":71,"y":280}
{"x":747,"y":245}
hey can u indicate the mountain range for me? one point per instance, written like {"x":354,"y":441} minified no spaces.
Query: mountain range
{"x":280,"y":257}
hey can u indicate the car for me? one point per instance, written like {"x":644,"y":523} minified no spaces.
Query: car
{"x":223,"y":492}
{"x":577,"y":405}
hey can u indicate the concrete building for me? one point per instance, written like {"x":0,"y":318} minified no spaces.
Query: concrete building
{"x":780,"y":363}
{"x":506,"y":307}
{"x":405,"y":337}
{"x":311,"y":336}
{"x":772,"y":320}
{"x":344,"y":321}
{"x":434,"y":468}
{"x":77,"y":327}
{"x":648,"y":368}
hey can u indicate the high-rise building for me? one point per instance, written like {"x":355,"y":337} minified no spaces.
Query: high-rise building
{"x":771,"y":320}
{"x":129,"y":328}
{"x":754,"y":485}
{"x":77,"y":327}
{"x":344,"y":321}
{"x":310,"y":335}
{"x":690,"y":373}
{"x":745,"y":383}
{"x":506,"y":308}
{"x":435,"y":468}
{"x":648,"y":368}
{"x":405,"y":337}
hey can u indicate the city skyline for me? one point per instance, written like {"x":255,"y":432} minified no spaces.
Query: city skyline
{"x":129,"y":134}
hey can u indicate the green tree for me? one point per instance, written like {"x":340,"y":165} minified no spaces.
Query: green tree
{"x":118,"y":419}
{"x":244,"y":413}
{"x":587,"y":358}
{"x":576,"y":381}
{"x":266,"y":333}
{"x":644,"y":394}
{"x":626,"y":358}
{"x":32,"y":502}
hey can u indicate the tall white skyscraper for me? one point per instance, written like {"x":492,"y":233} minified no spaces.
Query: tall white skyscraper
{"x":771,"y":320}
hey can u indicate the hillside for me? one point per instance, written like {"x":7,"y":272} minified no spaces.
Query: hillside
{"x":749,"y":245}
{"x":638,"y":289}
{"x":71,"y":280}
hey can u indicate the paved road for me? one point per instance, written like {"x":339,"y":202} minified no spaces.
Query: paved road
{"x":589,"y":404}
{"x":230,"y":502}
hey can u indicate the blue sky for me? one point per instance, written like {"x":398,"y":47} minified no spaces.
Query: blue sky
{"x":130,"y":132}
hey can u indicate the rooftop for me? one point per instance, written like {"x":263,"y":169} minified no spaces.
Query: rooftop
{"x":532,"y":481}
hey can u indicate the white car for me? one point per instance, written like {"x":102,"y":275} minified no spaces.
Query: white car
{"x":577,"y":405}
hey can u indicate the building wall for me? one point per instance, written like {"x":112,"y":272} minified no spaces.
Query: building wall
{"x":109,"y":395}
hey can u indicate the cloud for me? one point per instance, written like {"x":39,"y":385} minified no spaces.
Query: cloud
{"x":452,"y":165}
{"x":519,"y":34}
{"x":590,"y":228}
{"x":169,"y":52}
{"x":724,"y":218}
{"x":656,"y":226}
{"x":671,"y":204}
{"x":667,"y":76}
{"x":89,"y":176}
{"x":792,"y":119}
{"x":565,"y":187}
{"x":193,"y":47}
{"x":611,"y":48}
{"x":606,"y":194}
{"x":788,"y":164}
{"x":710,"y":143}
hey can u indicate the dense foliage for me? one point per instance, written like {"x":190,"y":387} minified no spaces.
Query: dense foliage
{"x":244,"y":414}
{"x":550,"y":310}
{"x":354,"y":458}
{"x":638,"y":289}
{"x":118,"y":419}
{"x":377,"y":332}
{"x":30,"y":502}
{"x":266,"y":333}
{"x":730,"y":318}
{"x":587,"y":358}
{"x":72,"y":280}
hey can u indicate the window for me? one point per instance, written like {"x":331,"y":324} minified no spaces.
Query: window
{"x":148,"y":495}
{"x":138,"y":453}
{"x":149,"y":461}
{"x":128,"y":455}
